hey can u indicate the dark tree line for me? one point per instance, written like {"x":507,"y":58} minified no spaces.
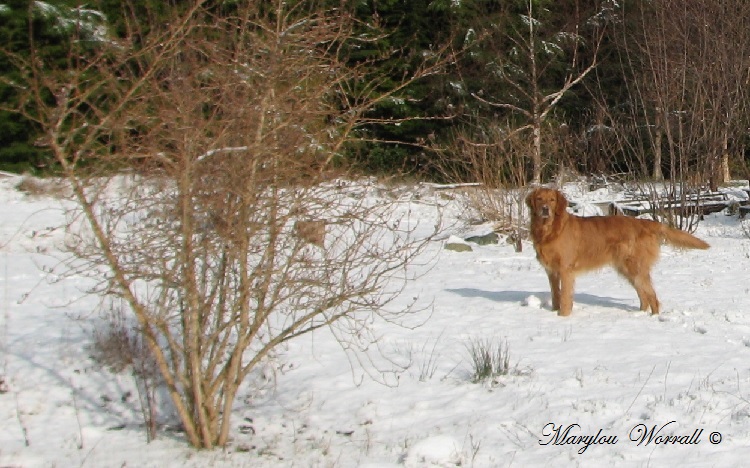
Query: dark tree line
{"x":652,"y":88}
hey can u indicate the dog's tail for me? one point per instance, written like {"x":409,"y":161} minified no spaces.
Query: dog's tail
{"x":680,"y":238}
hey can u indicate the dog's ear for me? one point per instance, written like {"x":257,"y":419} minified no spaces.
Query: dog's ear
{"x":562,"y":204}
{"x":530,"y":200}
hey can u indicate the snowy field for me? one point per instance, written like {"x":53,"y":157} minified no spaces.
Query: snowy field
{"x":667,"y":390}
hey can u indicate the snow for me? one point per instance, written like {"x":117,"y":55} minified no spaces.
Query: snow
{"x":607,"y":371}
{"x":435,"y":451}
{"x":69,"y":19}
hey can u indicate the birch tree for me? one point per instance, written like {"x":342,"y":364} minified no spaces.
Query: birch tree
{"x":533,"y":56}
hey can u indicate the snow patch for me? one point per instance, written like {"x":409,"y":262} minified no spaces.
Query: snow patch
{"x":435,"y":451}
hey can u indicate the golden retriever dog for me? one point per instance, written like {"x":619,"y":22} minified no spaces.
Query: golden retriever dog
{"x":567,"y":245}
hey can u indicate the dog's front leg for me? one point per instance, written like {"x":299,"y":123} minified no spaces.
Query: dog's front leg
{"x":567,"y":283}
{"x":554,"y":286}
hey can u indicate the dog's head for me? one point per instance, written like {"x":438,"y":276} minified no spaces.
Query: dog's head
{"x":546,"y":205}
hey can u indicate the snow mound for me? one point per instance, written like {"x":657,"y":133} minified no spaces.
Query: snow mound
{"x":442,"y":451}
{"x":533,"y":302}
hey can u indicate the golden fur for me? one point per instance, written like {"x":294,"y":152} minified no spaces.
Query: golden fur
{"x":567,"y":245}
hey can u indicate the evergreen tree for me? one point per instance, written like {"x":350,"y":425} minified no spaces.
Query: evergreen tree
{"x":46,"y":27}
{"x":407,"y":35}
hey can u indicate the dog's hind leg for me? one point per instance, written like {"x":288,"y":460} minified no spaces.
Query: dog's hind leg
{"x":638,"y":276}
{"x":642,"y":284}
{"x":642,"y":294}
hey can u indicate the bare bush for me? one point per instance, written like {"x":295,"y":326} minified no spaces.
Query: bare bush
{"x":498,"y":163}
{"x":36,"y":187}
{"x":120,"y":346}
{"x":234,"y":125}
{"x":115,"y":344}
{"x":677,"y":205}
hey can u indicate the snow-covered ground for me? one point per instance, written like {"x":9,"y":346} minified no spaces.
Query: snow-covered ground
{"x":608,"y":371}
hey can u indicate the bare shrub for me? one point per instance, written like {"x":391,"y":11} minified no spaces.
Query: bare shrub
{"x":115,"y":345}
{"x":234,"y":124}
{"x":498,"y":163}
{"x":120,"y":346}
{"x":36,"y":187}
{"x":676,"y":204}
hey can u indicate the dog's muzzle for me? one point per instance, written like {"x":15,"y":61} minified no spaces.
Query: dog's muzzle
{"x":544,"y":212}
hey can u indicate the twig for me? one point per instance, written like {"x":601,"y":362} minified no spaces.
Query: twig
{"x":21,"y":423}
{"x":78,"y":417}
{"x":641,"y":390}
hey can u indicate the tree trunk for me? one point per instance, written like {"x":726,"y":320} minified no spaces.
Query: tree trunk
{"x":536,"y":157}
{"x":657,"y":174}
{"x":724,"y":175}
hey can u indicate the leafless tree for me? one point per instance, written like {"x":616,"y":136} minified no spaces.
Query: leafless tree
{"x":528,"y":62}
{"x":233,"y":125}
{"x":685,"y":108}
{"x":687,"y":86}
